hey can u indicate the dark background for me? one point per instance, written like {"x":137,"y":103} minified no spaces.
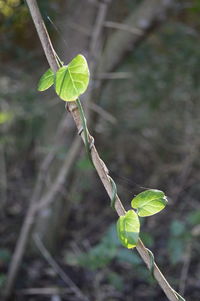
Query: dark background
{"x":144,"y":113}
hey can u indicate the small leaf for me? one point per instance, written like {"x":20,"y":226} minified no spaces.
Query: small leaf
{"x":128,"y":228}
{"x":149,"y":202}
{"x":46,"y":81}
{"x":72,"y":80}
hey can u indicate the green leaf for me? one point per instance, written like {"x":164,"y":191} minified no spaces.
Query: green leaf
{"x":46,"y":80}
{"x":72,"y":80}
{"x":149,"y":202}
{"x":128,"y":228}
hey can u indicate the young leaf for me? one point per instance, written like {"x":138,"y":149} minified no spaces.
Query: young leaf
{"x":128,"y":228}
{"x":72,"y":80}
{"x":149,"y":202}
{"x":46,"y":80}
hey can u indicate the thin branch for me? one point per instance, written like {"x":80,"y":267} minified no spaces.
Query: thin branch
{"x":45,"y":253}
{"x":43,"y":291}
{"x":95,"y":43}
{"x":35,"y":205}
{"x":35,"y":199}
{"x":122,"y":26}
{"x":103,"y":113}
{"x":49,"y":197}
{"x":98,"y":163}
{"x":115,"y":75}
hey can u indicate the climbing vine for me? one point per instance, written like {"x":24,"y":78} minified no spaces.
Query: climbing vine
{"x":70,"y":81}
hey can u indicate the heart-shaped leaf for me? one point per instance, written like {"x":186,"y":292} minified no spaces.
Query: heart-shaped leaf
{"x":128,"y":228}
{"x":72,"y":80}
{"x":46,"y":80}
{"x":149,"y":202}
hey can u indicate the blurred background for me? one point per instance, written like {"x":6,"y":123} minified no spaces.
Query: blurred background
{"x":144,"y":112}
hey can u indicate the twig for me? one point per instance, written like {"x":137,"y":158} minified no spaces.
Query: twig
{"x":122,"y":26}
{"x":103,"y":113}
{"x":19,"y":251}
{"x":98,"y":163}
{"x":32,"y":210}
{"x":31,"y":214}
{"x":115,"y":75}
{"x":49,"y":197}
{"x":43,"y":291}
{"x":45,"y":253}
{"x":95,"y":39}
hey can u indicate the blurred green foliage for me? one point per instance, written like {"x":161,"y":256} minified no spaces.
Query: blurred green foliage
{"x":109,"y":256}
{"x":5,"y":117}
{"x":16,"y":35}
{"x":102,"y":254}
{"x":84,"y":163}
{"x":182,"y":233}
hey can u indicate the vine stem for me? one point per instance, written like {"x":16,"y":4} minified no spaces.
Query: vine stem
{"x":84,"y":127}
{"x":99,"y":165}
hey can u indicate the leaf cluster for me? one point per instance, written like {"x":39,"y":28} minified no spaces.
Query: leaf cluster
{"x":146,"y":203}
{"x":70,"y":81}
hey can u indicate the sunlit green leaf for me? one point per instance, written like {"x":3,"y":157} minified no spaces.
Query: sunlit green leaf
{"x":72,"y":80}
{"x":149,"y":202}
{"x":128,"y":228}
{"x":46,"y":80}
